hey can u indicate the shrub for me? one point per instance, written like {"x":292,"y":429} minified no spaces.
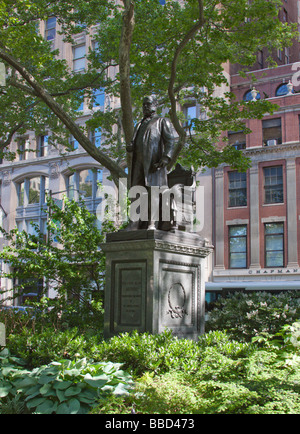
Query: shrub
{"x":145,"y":352}
{"x":247,"y":315}
{"x":231,"y":378}
{"x":65,"y":387}
{"x":49,"y":345}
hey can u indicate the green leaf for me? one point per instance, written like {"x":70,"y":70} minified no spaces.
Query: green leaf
{"x":96,"y":382}
{"x":45,"y":389}
{"x":62,"y":385}
{"x":70,"y":407}
{"x":4,"y":390}
{"x":74,"y":406}
{"x":48,"y":407}
{"x":63,"y":409}
{"x":72,"y":391}
{"x":36,"y":402}
{"x":26,"y":382}
{"x":61,"y":395}
{"x":45,"y":379}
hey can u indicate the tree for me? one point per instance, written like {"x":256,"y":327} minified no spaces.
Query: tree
{"x":68,"y":261}
{"x":176,"y":51}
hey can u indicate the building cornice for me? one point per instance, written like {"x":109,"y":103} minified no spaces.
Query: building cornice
{"x":286,"y":147}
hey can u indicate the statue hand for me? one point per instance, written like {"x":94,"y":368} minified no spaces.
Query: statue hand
{"x":129,"y":147}
{"x":162,"y":163}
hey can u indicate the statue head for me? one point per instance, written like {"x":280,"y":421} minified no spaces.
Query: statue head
{"x":149,"y":105}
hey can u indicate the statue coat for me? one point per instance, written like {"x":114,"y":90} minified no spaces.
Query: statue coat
{"x":158,"y":142}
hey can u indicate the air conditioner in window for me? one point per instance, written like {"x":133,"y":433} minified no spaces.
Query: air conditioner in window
{"x":271,"y":142}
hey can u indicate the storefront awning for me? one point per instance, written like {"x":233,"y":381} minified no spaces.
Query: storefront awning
{"x":254,"y":286}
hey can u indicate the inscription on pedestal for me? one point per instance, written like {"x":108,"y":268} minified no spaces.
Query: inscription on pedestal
{"x":131,"y":297}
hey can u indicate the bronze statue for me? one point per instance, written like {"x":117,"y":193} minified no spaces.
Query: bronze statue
{"x":151,"y":146}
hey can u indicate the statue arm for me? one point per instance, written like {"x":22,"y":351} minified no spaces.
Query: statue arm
{"x":168,"y":139}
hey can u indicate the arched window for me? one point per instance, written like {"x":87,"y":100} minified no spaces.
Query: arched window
{"x":283,"y":90}
{"x":249,"y":97}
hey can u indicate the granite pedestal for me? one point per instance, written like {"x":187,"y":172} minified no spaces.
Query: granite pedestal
{"x":154,"y":281}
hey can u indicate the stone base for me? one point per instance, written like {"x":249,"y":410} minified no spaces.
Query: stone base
{"x":154,"y":282}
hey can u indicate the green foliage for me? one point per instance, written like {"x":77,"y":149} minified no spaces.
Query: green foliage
{"x":49,"y":345}
{"x":65,"y":387}
{"x":231,"y":378}
{"x":232,"y":31}
{"x":154,"y":353}
{"x":247,"y":315}
{"x":215,"y":375}
{"x":69,"y":262}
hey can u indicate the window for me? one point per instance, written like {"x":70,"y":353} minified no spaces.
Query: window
{"x":190,"y":113}
{"x":260,"y":59}
{"x":21,"y":193}
{"x":29,"y":290}
{"x":86,"y":178}
{"x":272,"y":132}
{"x":79,"y":58}
{"x":237,"y":139}
{"x":43,"y":146}
{"x":238,"y":246}
{"x":286,"y":55}
{"x":23,"y":148}
{"x":73,"y":143}
{"x":249,"y":97}
{"x":32,"y":191}
{"x":273,"y":184}
{"x":71,"y":186}
{"x":283,"y":90}
{"x":50,"y":31}
{"x":99,"y":98}
{"x":84,"y":183}
{"x":237,"y":189}
{"x":274,"y":244}
{"x":96,"y":137}
{"x":81,"y":104}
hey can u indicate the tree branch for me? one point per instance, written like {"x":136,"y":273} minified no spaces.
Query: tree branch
{"x":124,"y":62}
{"x":171,"y":91}
{"x":70,"y":124}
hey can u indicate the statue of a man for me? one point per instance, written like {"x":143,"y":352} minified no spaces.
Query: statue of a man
{"x":151,"y":147}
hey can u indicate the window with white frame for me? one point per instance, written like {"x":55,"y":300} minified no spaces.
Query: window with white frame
{"x":237,"y":189}
{"x":79,"y":54}
{"x":238,"y":246}
{"x":273,"y":184}
{"x":50,"y":29}
{"x":274,"y":244}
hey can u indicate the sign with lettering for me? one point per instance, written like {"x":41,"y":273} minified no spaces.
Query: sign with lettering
{"x":276,"y":271}
{"x":131,"y":297}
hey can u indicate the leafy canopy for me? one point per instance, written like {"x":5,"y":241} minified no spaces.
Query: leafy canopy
{"x":176,"y":51}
